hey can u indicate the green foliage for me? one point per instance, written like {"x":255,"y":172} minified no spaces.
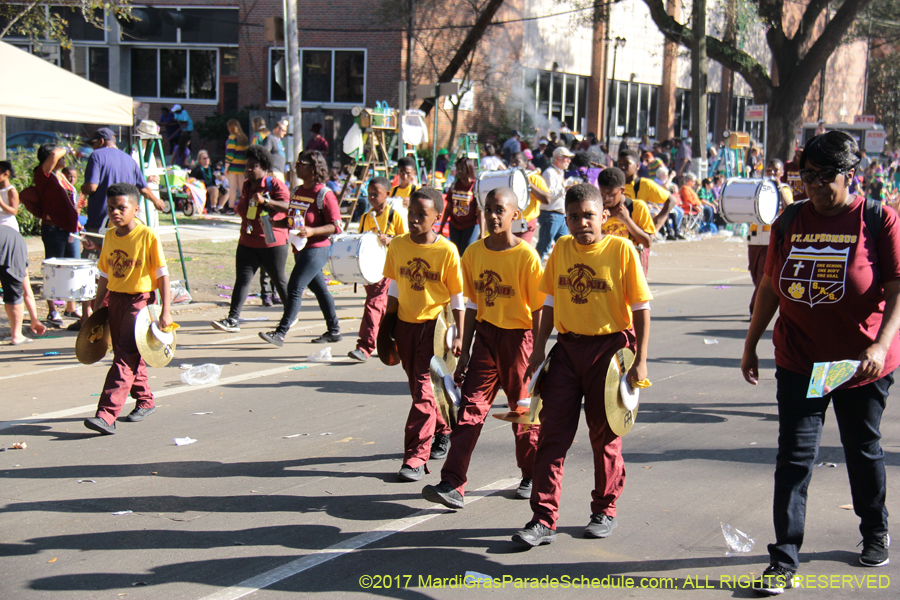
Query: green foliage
{"x":883,"y":99}
{"x":214,"y":129}
{"x":35,"y":22}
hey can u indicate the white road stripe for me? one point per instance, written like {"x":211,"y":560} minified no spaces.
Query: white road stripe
{"x":688,"y":288}
{"x":39,"y":371}
{"x":90,"y":408}
{"x":319,"y":557}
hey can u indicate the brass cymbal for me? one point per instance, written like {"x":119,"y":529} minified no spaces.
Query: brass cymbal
{"x":385,"y":344}
{"x":620,"y":419}
{"x":94,"y":341}
{"x":153,"y":351}
{"x":439,"y":370}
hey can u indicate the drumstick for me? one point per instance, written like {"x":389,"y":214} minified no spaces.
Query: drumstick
{"x":95,"y":235}
{"x":374,"y":218}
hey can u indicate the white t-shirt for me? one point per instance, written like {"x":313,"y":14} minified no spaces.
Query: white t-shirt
{"x":7,"y":218}
{"x":492,"y":163}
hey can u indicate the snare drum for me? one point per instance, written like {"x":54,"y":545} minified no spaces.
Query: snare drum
{"x":511,"y":178}
{"x":69,"y":279}
{"x":750,"y":201}
{"x":357,"y":258}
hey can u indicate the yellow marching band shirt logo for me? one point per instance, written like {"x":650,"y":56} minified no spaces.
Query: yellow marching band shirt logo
{"x":580,"y":281}
{"x":418,"y":273}
{"x":815,"y":276}
{"x":491,"y":285}
{"x":120,"y":263}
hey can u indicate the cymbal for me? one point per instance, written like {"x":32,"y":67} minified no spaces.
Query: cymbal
{"x":385,"y":344}
{"x":94,"y":341}
{"x":439,"y":370}
{"x":444,"y":331}
{"x":153,"y":351}
{"x":621,"y":420}
{"x":514,"y":417}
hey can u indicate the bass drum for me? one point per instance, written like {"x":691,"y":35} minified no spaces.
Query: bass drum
{"x":750,"y":201}
{"x":357,"y":258}
{"x":69,"y":279}
{"x":511,"y":178}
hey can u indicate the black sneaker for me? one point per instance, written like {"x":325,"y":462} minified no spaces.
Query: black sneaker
{"x":600,"y":526}
{"x":875,"y":551}
{"x":523,"y":492}
{"x":327,"y":338}
{"x":75,"y":326}
{"x":139,"y":414}
{"x":230,"y":325}
{"x":534,"y":534}
{"x":407,"y":473}
{"x":358,"y":355}
{"x":267,"y":300}
{"x":99,"y":425}
{"x":273,"y":337}
{"x":439,"y":446}
{"x":443,"y":493}
{"x":775,"y":580}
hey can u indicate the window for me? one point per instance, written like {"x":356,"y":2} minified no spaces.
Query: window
{"x":683,"y":113}
{"x":207,"y":26}
{"x":559,"y":97}
{"x":736,"y":120}
{"x":634,"y":106}
{"x":174,"y":73}
{"x":326,"y":76}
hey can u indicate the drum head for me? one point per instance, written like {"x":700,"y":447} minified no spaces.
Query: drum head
{"x":522,"y":189}
{"x":372,"y":257}
{"x":767,"y":202}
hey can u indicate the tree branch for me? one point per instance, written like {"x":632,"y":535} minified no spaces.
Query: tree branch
{"x":830,"y":39}
{"x":807,"y":24}
{"x":730,"y":57}
{"x":16,"y":19}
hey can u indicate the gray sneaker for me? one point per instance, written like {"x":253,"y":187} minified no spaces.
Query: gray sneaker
{"x":99,"y":425}
{"x":534,"y":534}
{"x":139,"y":414}
{"x":274,"y":338}
{"x":523,"y":492}
{"x":600,"y":526}
{"x":444,"y":493}
{"x":230,"y":325}
{"x":358,"y":355}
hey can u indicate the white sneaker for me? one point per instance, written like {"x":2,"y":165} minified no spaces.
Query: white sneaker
{"x":54,"y":318}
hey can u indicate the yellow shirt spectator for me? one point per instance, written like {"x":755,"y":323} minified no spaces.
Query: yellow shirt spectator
{"x":640,"y":215}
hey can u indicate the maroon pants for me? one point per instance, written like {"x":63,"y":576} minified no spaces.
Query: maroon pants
{"x":528,"y":236}
{"x":756,"y":263}
{"x":376,"y":304}
{"x":128,"y":373}
{"x":499,"y":358}
{"x":578,"y":370}
{"x":415,"y":344}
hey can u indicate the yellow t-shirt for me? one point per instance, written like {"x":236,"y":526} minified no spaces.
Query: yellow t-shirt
{"x":426,"y":276}
{"x":132,"y":263}
{"x":640,"y":215}
{"x":648,"y":191}
{"x":503,"y":284}
{"x":404,"y":192}
{"x":593,"y":287}
{"x":396,"y":227}
{"x":534,"y":209}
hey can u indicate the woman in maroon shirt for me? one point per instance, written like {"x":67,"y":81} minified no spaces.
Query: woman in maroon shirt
{"x":313,"y":216}
{"x":260,"y":196}
{"x":833,"y":275}
{"x":461,"y":209}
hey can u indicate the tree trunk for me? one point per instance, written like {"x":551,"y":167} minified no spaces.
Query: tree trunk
{"x":453,"y":123}
{"x":785,"y":118}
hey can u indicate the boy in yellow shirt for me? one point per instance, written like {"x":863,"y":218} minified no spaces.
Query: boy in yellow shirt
{"x":387,"y":223}
{"x":599,"y":302}
{"x":501,"y":274}
{"x":132,"y":265}
{"x":406,"y":179}
{"x":424,"y":271}
{"x":628,"y":218}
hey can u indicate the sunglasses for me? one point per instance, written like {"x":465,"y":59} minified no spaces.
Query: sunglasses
{"x":825,"y":176}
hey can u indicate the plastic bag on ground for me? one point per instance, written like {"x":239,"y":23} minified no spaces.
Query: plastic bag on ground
{"x":322,"y":356}
{"x":737,"y":540}
{"x":180,"y":295}
{"x":202,"y":374}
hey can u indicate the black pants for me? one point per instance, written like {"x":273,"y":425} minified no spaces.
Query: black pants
{"x":247,"y":261}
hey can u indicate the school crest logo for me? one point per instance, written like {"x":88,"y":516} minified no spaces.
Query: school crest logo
{"x":492,"y":287}
{"x":581,"y":282}
{"x":418,"y":273}
{"x":120,"y":263}
{"x":815,"y":276}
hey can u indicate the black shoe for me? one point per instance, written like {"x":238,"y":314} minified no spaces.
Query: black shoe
{"x":775,"y":580}
{"x":99,"y":425}
{"x":267,"y":300}
{"x":407,"y":473}
{"x":443,"y":493}
{"x":273,"y":337}
{"x":600,"y":526}
{"x":358,"y":355}
{"x":230,"y":325}
{"x":670,"y":238}
{"x":139,"y":414}
{"x":439,"y":446}
{"x":679,"y":236}
{"x":875,"y":551}
{"x":71,"y":314}
{"x":76,"y":326}
{"x":523,"y":492}
{"x":534,"y":534}
{"x":327,"y":338}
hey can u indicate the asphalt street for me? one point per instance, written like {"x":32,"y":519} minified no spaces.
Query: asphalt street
{"x":290,"y":488}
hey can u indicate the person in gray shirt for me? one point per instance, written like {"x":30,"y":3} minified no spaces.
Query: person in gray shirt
{"x":16,"y":286}
{"x":275,"y":146}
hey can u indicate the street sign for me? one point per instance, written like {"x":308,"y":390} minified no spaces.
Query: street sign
{"x":874,"y":143}
{"x":755,"y":112}
{"x":433,"y":90}
{"x":864,"y":120}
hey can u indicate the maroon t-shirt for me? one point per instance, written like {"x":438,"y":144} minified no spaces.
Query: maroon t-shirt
{"x":305,"y":211}
{"x":462,"y":206}
{"x":252,"y":234}
{"x":831,"y":303}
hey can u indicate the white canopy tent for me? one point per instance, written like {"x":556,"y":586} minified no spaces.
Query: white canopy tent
{"x":44,"y":91}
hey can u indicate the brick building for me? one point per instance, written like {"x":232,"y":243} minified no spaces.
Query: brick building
{"x":544,"y":65}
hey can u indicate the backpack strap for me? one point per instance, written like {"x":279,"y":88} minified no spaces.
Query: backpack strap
{"x":784,"y":221}
{"x":394,"y":190}
{"x":629,"y":204}
{"x":873,"y":217}
{"x":320,"y":198}
{"x":637,"y":186}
